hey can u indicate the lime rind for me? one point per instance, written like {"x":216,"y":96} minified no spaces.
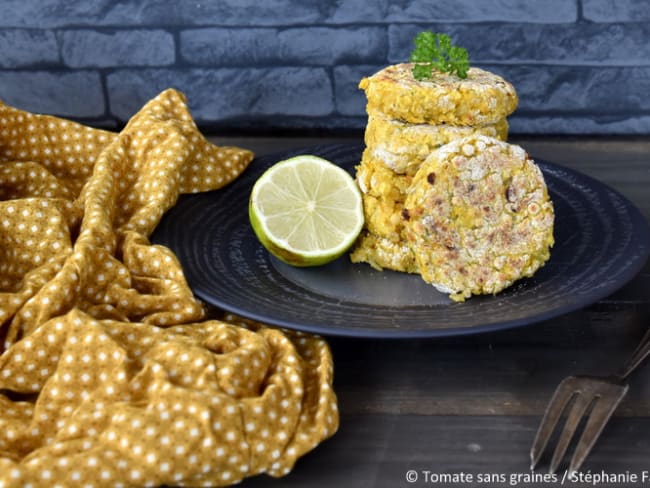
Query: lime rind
{"x":306,"y":210}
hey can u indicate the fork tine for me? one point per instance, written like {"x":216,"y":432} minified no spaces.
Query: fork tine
{"x":598,"y":417}
{"x":638,"y":356}
{"x":576,"y":412}
{"x":563,"y":394}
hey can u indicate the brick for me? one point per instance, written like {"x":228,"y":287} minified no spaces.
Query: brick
{"x":226,"y":94}
{"x":62,"y":13}
{"x":472,"y":11}
{"x":227,"y":47}
{"x":585,"y":90}
{"x":89,"y":48}
{"x":577,"y":44}
{"x":235,"y":12}
{"x":68,"y":94}
{"x":21,"y":47}
{"x":355,"y":11}
{"x":616,"y":10}
{"x":350,"y":100}
{"x":265,"y":46}
{"x":575,"y":125}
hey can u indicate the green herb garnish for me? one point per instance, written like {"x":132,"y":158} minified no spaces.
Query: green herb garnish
{"x":435,"y":51}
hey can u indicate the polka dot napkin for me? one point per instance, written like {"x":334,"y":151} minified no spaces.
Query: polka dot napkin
{"x":111,"y":372}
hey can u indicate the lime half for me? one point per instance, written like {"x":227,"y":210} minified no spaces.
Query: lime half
{"x":306,"y":210}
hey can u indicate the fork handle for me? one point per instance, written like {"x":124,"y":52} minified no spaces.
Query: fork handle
{"x":638,"y":356}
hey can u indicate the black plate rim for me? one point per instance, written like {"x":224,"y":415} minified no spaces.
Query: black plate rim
{"x":247,"y":178}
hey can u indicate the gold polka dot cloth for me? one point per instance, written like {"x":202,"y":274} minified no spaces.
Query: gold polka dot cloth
{"x":111,"y":372}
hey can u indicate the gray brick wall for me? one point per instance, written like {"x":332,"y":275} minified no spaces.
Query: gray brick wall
{"x":579,"y":66}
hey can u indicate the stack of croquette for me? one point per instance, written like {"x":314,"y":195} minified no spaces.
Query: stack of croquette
{"x":408,"y":120}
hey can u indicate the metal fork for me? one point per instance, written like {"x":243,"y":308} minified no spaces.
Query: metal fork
{"x":595,"y":397}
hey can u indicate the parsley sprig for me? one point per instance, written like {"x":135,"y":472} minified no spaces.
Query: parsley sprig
{"x":435,"y":51}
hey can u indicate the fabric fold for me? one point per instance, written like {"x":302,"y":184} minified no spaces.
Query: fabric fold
{"x":111,"y":371}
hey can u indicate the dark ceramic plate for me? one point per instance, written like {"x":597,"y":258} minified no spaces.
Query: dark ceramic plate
{"x":601,"y":242}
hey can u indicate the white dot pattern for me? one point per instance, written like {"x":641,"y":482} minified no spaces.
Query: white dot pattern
{"x":110,"y":372}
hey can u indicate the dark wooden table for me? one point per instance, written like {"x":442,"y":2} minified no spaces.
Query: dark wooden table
{"x":469,"y":406}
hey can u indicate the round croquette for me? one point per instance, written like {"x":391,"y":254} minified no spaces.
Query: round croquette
{"x":481,"y":98}
{"x":402,"y":147}
{"x":479,"y":217}
{"x":382,"y":253}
